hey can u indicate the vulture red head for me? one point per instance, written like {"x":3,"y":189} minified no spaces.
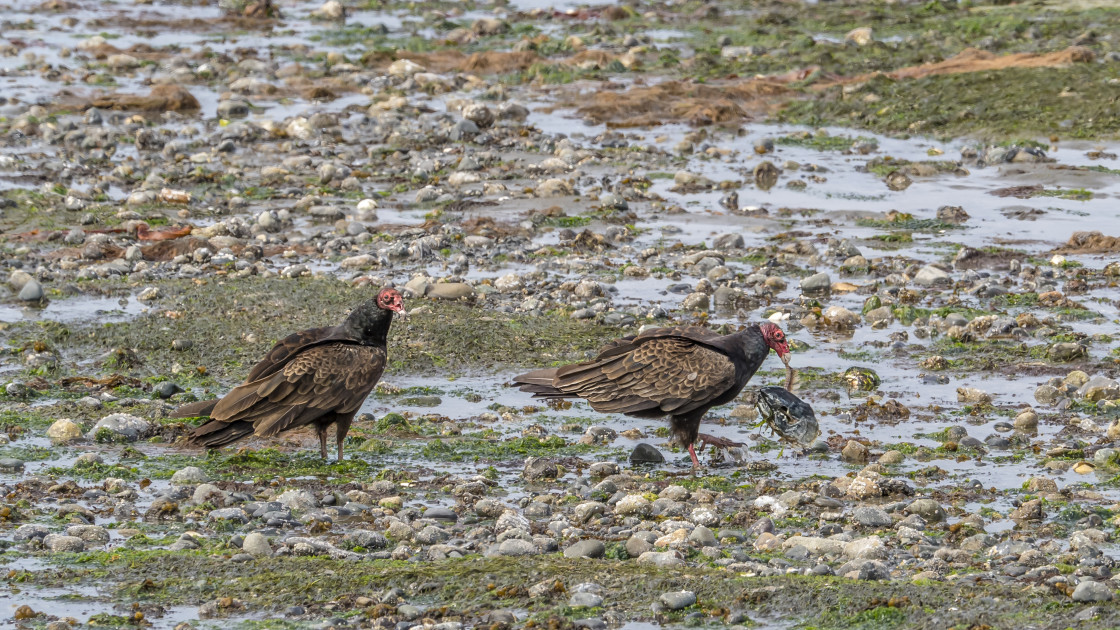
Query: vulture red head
{"x":391,"y":300}
{"x":776,"y":339}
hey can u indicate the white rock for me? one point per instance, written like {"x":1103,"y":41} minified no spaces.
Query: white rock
{"x":64,"y":430}
{"x":815,"y":545}
{"x":189,"y":476}
{"x":256,"y":545}
{"x":405,"y":68}
{"x":929,"y":276}
{"x":633,"y":504}
{"x":121,"y":425}
{"x":870,"y":548}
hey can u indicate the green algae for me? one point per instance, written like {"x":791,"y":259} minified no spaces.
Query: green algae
{"x":1031,"y":101}
{"x":232,"y":324}
{"x":469,"y":587}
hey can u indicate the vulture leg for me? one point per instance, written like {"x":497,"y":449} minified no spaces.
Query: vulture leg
{"x":341,"y":428}
{"x":692,"y":454}
{"x":322,"y":431}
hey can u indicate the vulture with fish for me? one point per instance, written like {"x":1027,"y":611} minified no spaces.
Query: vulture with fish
{"x":678,"y":372}
{"x":316,"y":377}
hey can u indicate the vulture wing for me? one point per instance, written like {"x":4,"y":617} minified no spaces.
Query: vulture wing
{"x":330,"y":378}
{"x":650,"y":375}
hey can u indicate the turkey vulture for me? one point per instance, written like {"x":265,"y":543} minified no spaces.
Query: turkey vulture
{"x":677,"y":372}
{"x":319,"y":376}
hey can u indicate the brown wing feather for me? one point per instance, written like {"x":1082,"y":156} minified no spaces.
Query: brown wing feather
{"x":329,"y":378}
{"x":280,"y":353}
{"x":668,"y":373}
{"x":288,"y":347}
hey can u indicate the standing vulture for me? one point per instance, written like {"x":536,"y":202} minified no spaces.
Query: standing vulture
{"x":319,"y":376}
{"x":677,"y":372}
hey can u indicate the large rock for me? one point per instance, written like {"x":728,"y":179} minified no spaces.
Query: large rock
{"x":870,"y":548}
{"x":677,"y":600}
{"x":872,"y":517}
{"x":32,"y":291}
{"x":189,"y":476}
{"x":816,"y":283}
{"x":120,"y":426}
{"x":930,"y":276}
{"x":633,"y":505}
{"x":1091,"y":591}
{"x":64,"y":430}
{"x":585,"y":549}
{"x":646,"y":454}
{"x":514,"y":547}
{"x":662,"y":558}
{"x":928,"y":509}
{"x":298,"y":500}
{"x":256,"y":545}
{"x":816,"y":545}
{"x":450,"y":290}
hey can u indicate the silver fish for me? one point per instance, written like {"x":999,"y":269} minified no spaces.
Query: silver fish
{"x":789,"y":416}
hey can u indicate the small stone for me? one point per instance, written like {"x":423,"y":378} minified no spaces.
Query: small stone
{"x":872,"y":517}
{"x":676,"y":600}
{"x":537,"y":468}
{"x":441,"y":514}
{"x":840,"y":318}
{"x":854,"y":452}
{"x":64,"y":430}
{"x":767,"y":541}
{"x":928,"y":509}
{"x":1041,"y":484}
{"x":64,"y":544}
{"x":1066,"y":351}
{"x":633,"y":504}
{"x":646,"y":454}
{"x":897,"y":180}
{"x":696,"y":302}
{"x":256,"y":544}
{"x":120,"y":426}
{"x":11,"y":465}
{"x":859,"y":36}
{"x":167,"y":389}
{"x":952,"y":214}
{"x":1105,"y":457}
{"x":1029,"y":511}
{"x":1026,"y":421}
{"x":516,"y":547}
{"x":973,"y":396}
{"x":728,"y":241}
{"x":870,"y":548}
{"x":585,"y":549}
{"x":930,"y":276}
{"x":32,"y":291}
{"x":702,"y":536}
{"x":450,"y":290}
{"x":891,"y":458}
{"x":1046,"y":395}
{"x":662,"y":558}
{"x":1092,"y":591}
{"x":584,"y":599}
{"x":766,"y":175}
{"x":189,"y":476}
{"x":636,"y":546}
{"x":817,"y":283}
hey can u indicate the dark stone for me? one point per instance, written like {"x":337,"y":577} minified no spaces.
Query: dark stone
{"x":646,"y":454}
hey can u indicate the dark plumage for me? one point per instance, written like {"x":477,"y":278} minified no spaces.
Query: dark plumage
{"x":677,"y":372}
{"x":319,"y":376}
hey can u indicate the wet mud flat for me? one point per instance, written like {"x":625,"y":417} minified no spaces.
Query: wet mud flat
{"x":921,"y":195}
